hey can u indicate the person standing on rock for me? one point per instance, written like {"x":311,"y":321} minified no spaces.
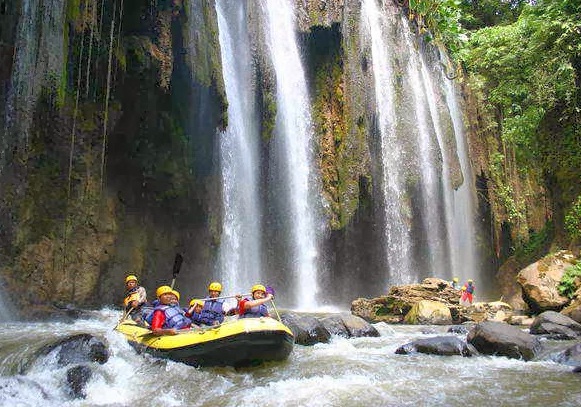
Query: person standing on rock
{"x":467,"y":293}
{"x":455,"y":283}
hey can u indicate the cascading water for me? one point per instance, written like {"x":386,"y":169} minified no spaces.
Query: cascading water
{"x":431,"y":220}
{"x":240,"y":249}
{"x":427,"y":122}
{"x":466,"y":258}
{"x":397,"y":211}
{"x":38,"y":62}
{"x":292,"y":148}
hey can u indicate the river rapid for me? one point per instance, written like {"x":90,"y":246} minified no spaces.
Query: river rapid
{"x":344,"y":372}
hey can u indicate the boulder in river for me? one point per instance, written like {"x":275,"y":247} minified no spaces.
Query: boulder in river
{"x":74,"y":349}
{"x":438,"y":345}
{"x":400,"y":299}
{"x":426,"y":312}
{"x":500,"y":338}
{"x":540,"y":281}
{"x":77,"y":378}
{"x":307,"y":329}
{"x":570,"y":356}
{"x":555,"y":326}
{"x":573,"y":310}
{"x":348,"y":326}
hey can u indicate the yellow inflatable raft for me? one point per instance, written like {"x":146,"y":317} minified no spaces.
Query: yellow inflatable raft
{"x":238,"y":342}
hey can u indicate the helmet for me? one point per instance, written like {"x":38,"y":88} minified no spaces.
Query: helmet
{"x":164,"y":289}
{"x":470,"y":281}
{"x":129,"y":278}
{"x":215,"y":286}
{"x":257,"y":287}
{"x":176,"y":293}
{"x":463,"y":288}
{"x":455,"y":279}
{"x":196,"y":302}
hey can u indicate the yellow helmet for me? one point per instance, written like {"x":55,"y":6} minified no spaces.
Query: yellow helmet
{"x":176,"y":293}
{"x":463,"y":288}
{"x":129,"y":278}
{"x":164,"y":289}
{"x":455,"y":279}
{"x":258,"y":287}
{"x":215,"y":286}
{"x":470,"y":281}
{"x":196,"y":302}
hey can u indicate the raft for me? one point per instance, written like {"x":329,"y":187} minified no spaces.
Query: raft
{"x":237,"y":342}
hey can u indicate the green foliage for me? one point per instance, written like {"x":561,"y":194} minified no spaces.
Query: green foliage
{"x":441,"y":18}
{"x":570,"y":280}
{"x":527,"y":70}
{"x":537,"y":244}
{"x":478,"y":14}
{"x":573,"y":220}
{"x":515,"y":210}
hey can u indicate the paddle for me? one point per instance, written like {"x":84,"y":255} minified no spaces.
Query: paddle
{"x":177,"y":264}
{"x":225,"y":297}
{"x":270,"y":290}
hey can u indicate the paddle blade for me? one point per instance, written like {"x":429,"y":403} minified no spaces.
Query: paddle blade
{"x":177,"y":264}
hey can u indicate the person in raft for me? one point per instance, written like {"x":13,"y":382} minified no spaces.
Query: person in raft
{"x":135,"y":297}
{"x":167,"y":316}
{"x":468,"y":293}
{"x":194,"y":313}
{"x":255,"y":307}
{"x":213,"y":311}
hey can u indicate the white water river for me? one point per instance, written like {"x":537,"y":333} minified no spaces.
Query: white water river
{"x":345,"y":372}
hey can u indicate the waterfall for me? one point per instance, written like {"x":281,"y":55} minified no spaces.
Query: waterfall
{"x":428,"y":125}
{"x":465,"y":259}
{"x":292,"y":149}
{"x":429,"y":226}
{"x":397,"y":210}
{"x":38,"y":62}
{"x":240,"y":248}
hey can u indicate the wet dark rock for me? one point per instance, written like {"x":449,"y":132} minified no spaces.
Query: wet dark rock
{"x":555,"y":326}
{"x":502,"y":339}
{"x":80,"y":348}
{"x":307,"y":330}
{"x":570,"y":356}
{"x":349,"y":326}
{"x":77,"y":378}
{"x":438,"y":345}
{"x":358,"y":327}
{"x":334,"y":324}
